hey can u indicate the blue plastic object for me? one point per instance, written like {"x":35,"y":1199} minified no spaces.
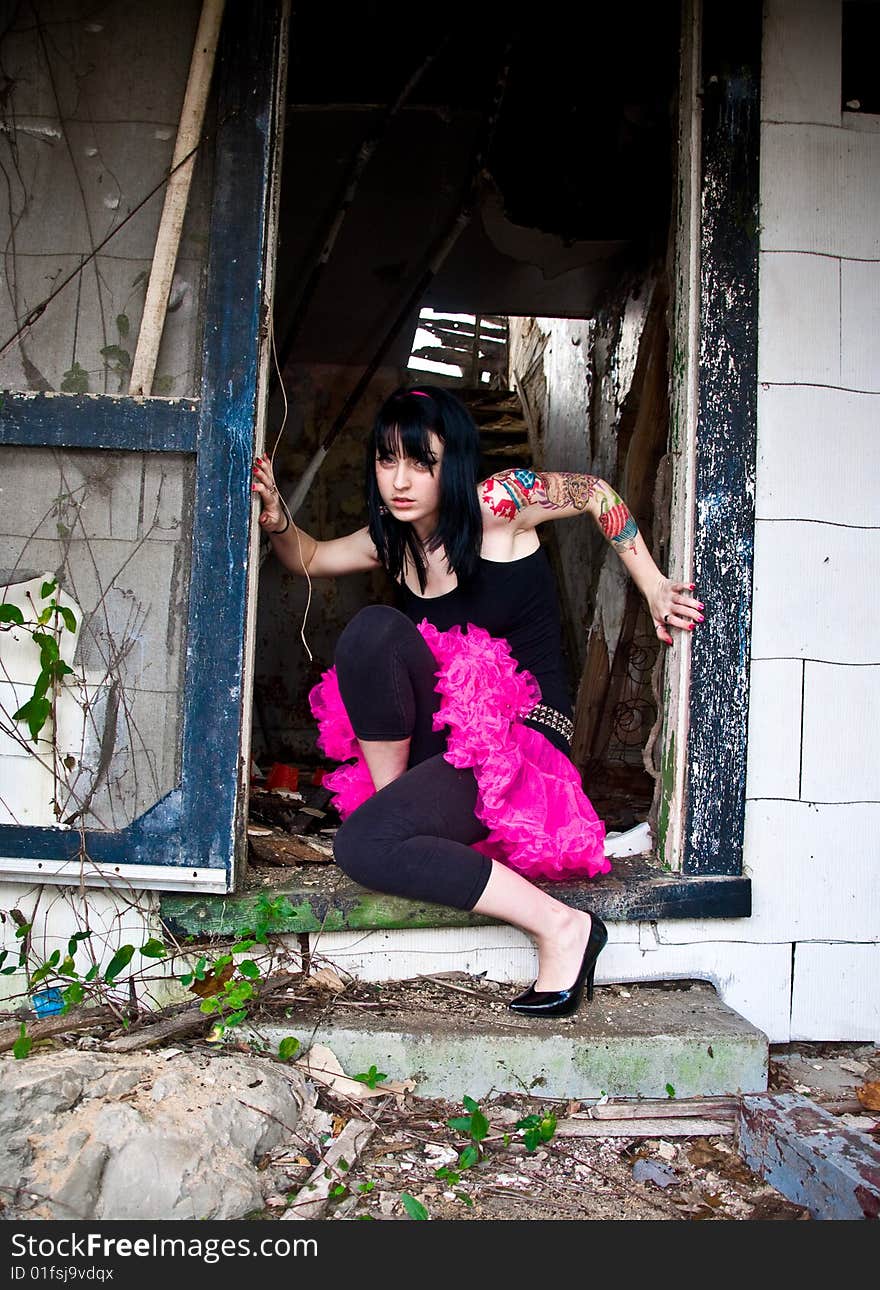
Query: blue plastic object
{"x":47,"y":1002}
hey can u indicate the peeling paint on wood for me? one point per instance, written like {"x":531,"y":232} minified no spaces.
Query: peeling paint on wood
{"x":725,"y":443}
{"x":807,"y":1154}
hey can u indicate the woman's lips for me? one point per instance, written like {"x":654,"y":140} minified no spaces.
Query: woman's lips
{"x":402,"y":501}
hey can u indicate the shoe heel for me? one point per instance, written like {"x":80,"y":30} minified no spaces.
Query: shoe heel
{"x":590,"y":975}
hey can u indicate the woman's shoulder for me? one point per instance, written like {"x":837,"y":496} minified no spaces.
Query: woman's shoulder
{"x":504,"y":495}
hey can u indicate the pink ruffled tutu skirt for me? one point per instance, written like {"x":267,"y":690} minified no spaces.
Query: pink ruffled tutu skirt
{"x":540,"y":821}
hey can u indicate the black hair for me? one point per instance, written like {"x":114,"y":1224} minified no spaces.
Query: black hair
{"x":404,"y":423}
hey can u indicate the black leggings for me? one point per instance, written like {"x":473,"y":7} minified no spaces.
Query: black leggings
{"x":412,"y":838}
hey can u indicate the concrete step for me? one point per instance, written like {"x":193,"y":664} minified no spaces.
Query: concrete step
{"x":676,"y":1040}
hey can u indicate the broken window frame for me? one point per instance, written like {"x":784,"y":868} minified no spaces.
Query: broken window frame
{"x":713,"y":444}
{"x":190,"y":838}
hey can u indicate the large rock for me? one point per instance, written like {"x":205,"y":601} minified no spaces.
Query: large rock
{"x":154,"y":1136}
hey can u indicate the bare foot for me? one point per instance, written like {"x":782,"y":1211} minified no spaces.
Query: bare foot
{"x":560,"y":955}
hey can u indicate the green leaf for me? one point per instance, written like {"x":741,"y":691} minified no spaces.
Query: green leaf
{"x":73,"y":993}
{"x":22,"y":1045}
{"x":47,"y":589}
{"x":66,"y":968}
{"x":221,"y":961}
{"x":200,"y":969}
{"x":288,"y":1048}
{"x":120,"y":960}
{"x":49,"y":651}
{"x":92,"y":973}
{"x":75,"y":380}
{"x":46,"y":968}
{"x":461,"y":1123}
{"x":469,"y":1104}
{"x":153,"y":949}
{"x":236,"y":1018}
{"x":69,"y":618}
{"x":242,"y":947}
{"x":366,"y":1186}
{"x":479,"y":1126}
{"x":372,"y":1077}
{"x":249,"y":969}
{"x":11,"y":614}
{"x":123,"y":326}
{"x":209,"y":1005}
{"x":337,"y":1191}
{"x":462,"y":1195}
{"x":469,"y":1157}
{"x":449,"y":1175}
{"x":413,"y":1207}
{"x":186,"y":979}
{"x":74,"y":941}
{"x":670,"y":1091}
{"x":36,"y":713}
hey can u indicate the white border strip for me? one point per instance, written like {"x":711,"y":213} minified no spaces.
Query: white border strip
{"x":144,"y":877}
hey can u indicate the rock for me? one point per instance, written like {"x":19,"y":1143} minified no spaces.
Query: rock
{"x":100,"y":1136}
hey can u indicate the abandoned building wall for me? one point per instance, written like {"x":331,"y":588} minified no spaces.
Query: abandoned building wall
{"x":595,"y":396}
{"x":813,"y":785}
{"x":806,"y":963}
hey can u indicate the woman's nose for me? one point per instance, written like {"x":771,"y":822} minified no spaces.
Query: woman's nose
{"x":401,"y":475}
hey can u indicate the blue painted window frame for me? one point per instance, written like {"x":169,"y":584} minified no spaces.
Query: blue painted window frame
{"x":199,"y":824}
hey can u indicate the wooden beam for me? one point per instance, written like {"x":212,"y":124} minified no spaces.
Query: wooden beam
{"x":189,"y":132}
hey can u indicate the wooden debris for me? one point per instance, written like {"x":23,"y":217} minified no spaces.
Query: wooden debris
{"x":322,"y":1066}
{"x":285,"y":851}
{"x":314,"y":1195}
{"x":715,"y":1108}
{"x":68,"y":1024}
{"x":630,"y":1127}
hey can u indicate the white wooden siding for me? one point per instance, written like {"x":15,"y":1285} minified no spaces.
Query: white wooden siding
{"x":800,"y":425}
{"x":835,"y":993}
{"x":800,"y":77}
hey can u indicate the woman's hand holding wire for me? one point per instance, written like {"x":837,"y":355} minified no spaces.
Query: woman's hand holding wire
{"x":273,"y":516}
{"x":673,"y":606}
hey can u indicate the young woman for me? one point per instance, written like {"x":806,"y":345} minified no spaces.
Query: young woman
{"x":454,"y":705}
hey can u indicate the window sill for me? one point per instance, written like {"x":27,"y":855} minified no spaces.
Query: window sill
{"x":324,"y":899}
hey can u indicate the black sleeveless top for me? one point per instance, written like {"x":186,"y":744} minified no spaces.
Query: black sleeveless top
{"x":516,"y":600}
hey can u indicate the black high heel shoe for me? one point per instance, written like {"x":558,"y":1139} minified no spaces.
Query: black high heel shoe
{"x":560,"y":1003}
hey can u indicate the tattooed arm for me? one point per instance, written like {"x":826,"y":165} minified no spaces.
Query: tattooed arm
{"x":525,"y":498}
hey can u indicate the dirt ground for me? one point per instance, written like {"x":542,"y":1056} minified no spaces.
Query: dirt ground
{"x":619,"y":1177}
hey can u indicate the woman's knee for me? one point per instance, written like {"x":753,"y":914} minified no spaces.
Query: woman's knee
{"x":370,"y":633}
{"x":356,"y":852}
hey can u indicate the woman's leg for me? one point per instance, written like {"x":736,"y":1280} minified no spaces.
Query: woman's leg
{"x":386,"y":679}
{"x":414,"y":839}
{"x":560,"y":933}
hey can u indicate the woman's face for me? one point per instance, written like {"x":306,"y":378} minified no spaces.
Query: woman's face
{"x":410,"y":489}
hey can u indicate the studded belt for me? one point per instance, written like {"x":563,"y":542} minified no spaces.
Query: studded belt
{"x":546,"y":716}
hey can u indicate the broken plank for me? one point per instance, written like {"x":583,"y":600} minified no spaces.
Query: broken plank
{"x":716,"y":1108}
{"x":630,"y":1127}
{"x":286,"y":851}
{"x":314,"y":1195}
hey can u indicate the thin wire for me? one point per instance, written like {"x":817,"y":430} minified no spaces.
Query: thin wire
{"x":286,"y":509}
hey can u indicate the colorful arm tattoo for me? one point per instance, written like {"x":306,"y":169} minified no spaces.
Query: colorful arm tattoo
{"x":512,"y":490}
